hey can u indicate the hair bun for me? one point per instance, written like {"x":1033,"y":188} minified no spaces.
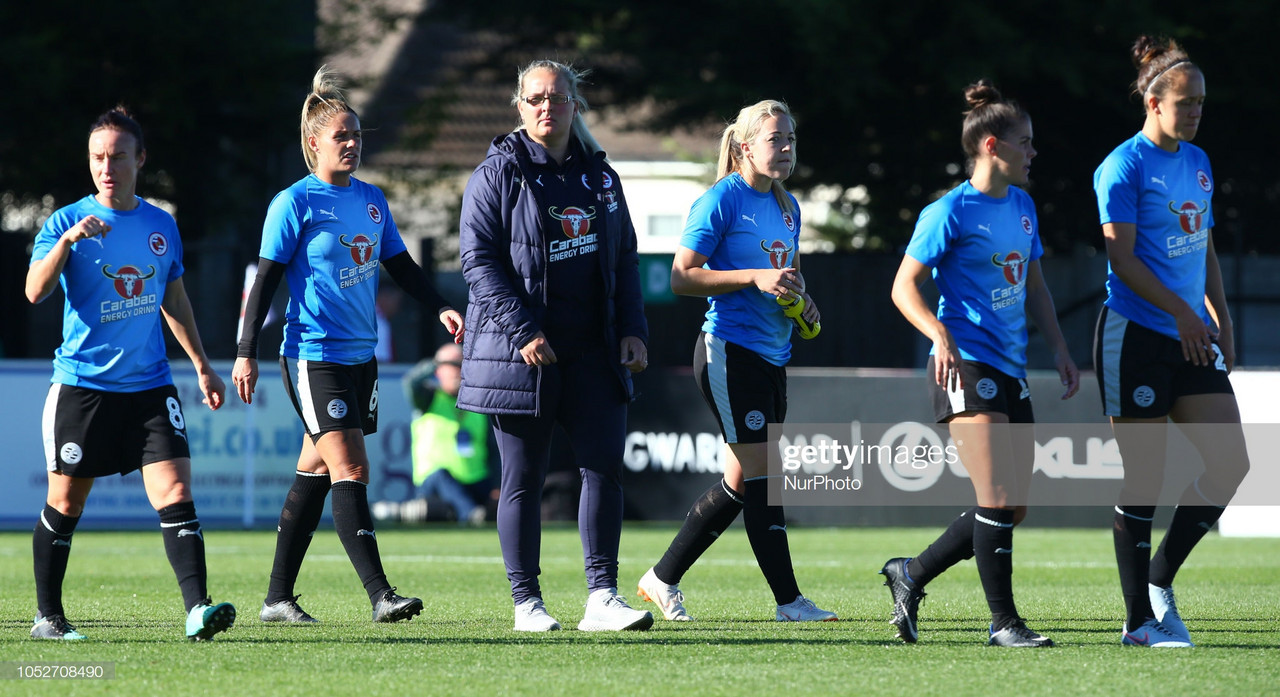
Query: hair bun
{"x":1147,"y":48}
{"x":981,"y":93}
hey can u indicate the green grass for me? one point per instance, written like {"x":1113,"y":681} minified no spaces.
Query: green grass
{"x":121,"y":593}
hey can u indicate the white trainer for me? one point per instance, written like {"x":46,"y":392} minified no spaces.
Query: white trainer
{"x":531,"y":616}
{"x":608,"y":612}
{"x":1154,"y":634}
{"x":803,"y":610}
{"x":1166,"y":610}
{"x":668,"y":598}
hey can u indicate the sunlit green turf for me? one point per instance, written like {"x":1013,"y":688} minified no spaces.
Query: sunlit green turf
{"x":121,"y":593}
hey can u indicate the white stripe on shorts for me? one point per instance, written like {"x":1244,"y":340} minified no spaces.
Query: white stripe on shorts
{"x":718,"y":378}
{"x":307,"y":406}
{"x":46,"y":427}
{"x":1112,"y":348}
{"x":956,"y":397}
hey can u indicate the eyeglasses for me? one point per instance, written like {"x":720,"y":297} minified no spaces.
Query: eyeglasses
{"x":538,"y":99}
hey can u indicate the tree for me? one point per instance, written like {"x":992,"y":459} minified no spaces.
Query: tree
{"x":877,"y":88}
{"x":216,"y":88}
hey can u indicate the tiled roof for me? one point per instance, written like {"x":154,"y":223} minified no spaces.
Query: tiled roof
{"x":434,"y":101}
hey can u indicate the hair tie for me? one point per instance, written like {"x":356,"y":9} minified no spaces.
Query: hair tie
{"x":1169,"y":67}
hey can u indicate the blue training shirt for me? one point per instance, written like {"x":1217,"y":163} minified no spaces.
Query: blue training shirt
{"x":737,"y":227}
{"x":1167,"y":195}
{"x":332,"y":240}
{"x":114,"y":286}
{"x":979,"y":248}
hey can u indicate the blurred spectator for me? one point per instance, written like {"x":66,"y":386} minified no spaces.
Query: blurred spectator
{"x":451,"y":449}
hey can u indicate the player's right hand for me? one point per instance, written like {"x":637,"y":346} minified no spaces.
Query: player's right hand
{"x":90,"y":226}
{"x":947,"y":363}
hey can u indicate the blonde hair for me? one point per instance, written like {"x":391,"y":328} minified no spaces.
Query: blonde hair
{"x":325,"y":101}
{"x":744,"y":129}
{"x":574,"y":78}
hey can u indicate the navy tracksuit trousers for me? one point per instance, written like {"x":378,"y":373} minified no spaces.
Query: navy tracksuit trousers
{"x":582,"y":395}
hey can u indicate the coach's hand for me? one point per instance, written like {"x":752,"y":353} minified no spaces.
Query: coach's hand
{"x":538,"y":351}
{"x":635,"y":355}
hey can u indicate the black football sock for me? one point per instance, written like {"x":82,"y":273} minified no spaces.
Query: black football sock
{"x":767,"y":530}
{"x":184,"y":545}
{"x":298,"y":522}
{"x":1189,"y":525}
{"x":51,"y":548}
{"x":709,"y":516}
{"x":1132,"y":535}
{"x":993,"y":548}
{"x":354,"y":525}
{"x":953,"y":546}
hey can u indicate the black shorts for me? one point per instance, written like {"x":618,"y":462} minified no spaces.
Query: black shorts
{"x":985,"y":389}
{"x":91,"y":433}
{"x":745,"y":392}
{"x":1141,"y":372}
{"x":332,"y":396}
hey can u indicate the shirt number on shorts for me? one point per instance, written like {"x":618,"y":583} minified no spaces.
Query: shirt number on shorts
{"x":175,"y":413}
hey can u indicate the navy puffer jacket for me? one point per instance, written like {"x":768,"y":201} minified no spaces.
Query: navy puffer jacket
{"x":504,"y":261}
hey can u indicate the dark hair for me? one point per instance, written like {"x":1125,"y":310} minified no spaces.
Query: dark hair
{"x":989,"y":114}
{"x":1155,"y":58}
{"x":119,"y":119}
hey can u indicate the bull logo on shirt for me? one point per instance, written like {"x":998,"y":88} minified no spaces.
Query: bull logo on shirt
{"x":128,"y":279}
{"x":1190,"y":216}
{"x":573,"y":220}
{"x":1013,"y":266}
{"x":361,"y":248}
{"x":778,"y":253}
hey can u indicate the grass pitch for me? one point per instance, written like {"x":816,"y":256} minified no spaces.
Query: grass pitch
{"x":121,"y":593}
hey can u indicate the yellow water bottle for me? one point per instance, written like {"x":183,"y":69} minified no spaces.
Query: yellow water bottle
{"x":793,"y":307}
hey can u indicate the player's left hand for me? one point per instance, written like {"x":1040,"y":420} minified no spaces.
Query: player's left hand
{"x":635,"y":355}
{"x":810,"y":314}
{"x":245,"y":377}
{"x":452,"y":320}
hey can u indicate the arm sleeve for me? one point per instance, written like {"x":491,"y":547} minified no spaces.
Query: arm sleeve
{"x":413,"y":280}
{"x":257,"y":305}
